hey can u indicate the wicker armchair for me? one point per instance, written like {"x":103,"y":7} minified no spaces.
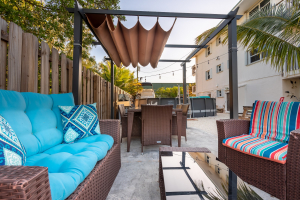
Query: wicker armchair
{"x":31,"y":183}
{"x":124,"y":120}
{"x":156,"y":125}
{"x":185,"y":108}
{"x":279,"y":180}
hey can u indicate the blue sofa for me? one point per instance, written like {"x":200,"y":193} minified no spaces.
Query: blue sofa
{"x":73,"y":169}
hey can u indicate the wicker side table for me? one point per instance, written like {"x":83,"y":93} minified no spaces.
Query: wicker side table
{"x":173,"y":149}
{"x":24,"y":183}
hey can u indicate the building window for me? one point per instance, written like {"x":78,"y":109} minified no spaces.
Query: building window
{"x":194,"y":89}
{"x":217,"y":169}
{"x":254,"y":56}
{"x":207,"y":159}
{"x":219,"y":41}
{"x":220,"y":93}
{"x":265,"y":4}
{"x":194,"y":70}
{"x":219,"y":68}
{"x":208,"y":50}
{"x":208,"y":74}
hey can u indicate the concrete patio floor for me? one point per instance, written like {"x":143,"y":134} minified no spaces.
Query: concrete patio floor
{"x":138,"y":177}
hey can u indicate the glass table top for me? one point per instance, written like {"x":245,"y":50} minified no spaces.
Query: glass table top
{"x":196,"y":175}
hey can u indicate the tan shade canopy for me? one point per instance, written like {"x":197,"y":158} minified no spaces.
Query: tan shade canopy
{"x":135,"y":45}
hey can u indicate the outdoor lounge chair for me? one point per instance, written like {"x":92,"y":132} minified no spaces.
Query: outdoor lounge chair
{"x":265,"y":151}
{"x":85,"y":169}
{"x":124,"y":122}
{"x":184,"y":108}
{"x":156,"y":125}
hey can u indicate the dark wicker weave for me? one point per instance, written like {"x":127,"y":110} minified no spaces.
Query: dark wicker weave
{"x":22,"y":183}
{"x":156,"y":125}
{"x":124,"y":121}
{"x":173,"y":149}
{"x":185,"y":108}
{"x":18,"y":183}
{"x":281,"y":181}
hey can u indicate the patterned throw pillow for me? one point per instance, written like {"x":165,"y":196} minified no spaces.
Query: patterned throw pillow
{"x":12,"y":152}
{"x":79,"y":122}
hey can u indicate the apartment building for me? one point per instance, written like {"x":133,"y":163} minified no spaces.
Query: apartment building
{"x":257,"y":79}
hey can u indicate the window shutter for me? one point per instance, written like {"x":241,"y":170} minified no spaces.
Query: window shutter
{"x":246,"y":58}
{"x":217,"y":69}
{"x":206,"y":51}
{"x":222,"y":66}
{"x":210,"y":73}
{"x":222,"y":93}
{"x":206,"y":75}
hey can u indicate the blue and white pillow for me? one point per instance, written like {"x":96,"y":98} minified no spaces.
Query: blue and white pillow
{"x":12,"y":151}
{"x":79,"y":122}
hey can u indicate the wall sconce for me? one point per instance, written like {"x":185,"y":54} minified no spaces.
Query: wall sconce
{"x":218,"y":58}
{"x":159,"y":77}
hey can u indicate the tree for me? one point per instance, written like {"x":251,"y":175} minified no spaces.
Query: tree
{"x":274,"y":31}
{"x":51,"y":22}
{"x":123,"y":78}
{"x":168,"y":92}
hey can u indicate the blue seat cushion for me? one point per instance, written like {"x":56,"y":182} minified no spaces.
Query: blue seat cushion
{"x":79,"y":121}
{"x":98,"y":138}
{"x":66,"y":171}
{"x":70,"y":164}
{"x":99,"y":148}
{"x":12,"y":151}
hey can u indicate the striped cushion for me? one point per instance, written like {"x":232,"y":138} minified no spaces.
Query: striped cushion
{"x":274,"y":120}
{"x":263,"y":148}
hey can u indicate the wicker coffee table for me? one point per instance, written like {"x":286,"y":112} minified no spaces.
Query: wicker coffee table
{"x":196,"y":173}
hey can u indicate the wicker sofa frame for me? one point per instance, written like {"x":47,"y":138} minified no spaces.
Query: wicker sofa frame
{"x":279,"y":180}
{"x":31,"y":183}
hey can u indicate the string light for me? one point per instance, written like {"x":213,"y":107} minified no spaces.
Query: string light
{"x":217,"y":57}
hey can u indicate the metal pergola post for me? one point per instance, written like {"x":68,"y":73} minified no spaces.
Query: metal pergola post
{"x":77,"y":56}
{"x":233,"y":88}
{"x":233,"y":70}
{"x":112,"y":80}
{"x":184,"y":82}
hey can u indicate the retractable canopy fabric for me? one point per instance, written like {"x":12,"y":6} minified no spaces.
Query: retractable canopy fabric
{"x":130,"y":46}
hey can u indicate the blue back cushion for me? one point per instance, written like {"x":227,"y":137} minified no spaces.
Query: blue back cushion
{"x":35,"y":118}
{"x":61,"y":100}
{"x":12,"y":108}
{"x":43,"y":120}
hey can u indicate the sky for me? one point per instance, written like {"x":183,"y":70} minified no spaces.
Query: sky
{"x":184,"y":32}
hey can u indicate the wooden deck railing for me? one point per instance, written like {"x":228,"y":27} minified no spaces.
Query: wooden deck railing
{"x":26,"y":66}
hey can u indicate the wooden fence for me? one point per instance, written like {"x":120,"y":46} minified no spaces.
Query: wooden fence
{"x":27,"y":66}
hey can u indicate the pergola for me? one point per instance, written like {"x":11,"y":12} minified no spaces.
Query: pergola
{"x":229,"y":19}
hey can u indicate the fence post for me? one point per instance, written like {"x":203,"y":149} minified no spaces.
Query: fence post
{"x":14,"y":57}
{"x":92,"y":87}
{"x":88,"y":87}
{"x":3,"y":54}
{"x":55,"y":72}
{"x":84,"y":86}
{"x":63,"y":75}
{"x":29,"y":81}
{"x":45,"y":68}
{"x":70,"y":76}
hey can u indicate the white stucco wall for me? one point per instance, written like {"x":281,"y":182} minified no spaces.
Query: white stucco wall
{"x":257,"y":81}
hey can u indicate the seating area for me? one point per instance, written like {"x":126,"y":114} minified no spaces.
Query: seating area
{"x":34,"y":120}
{"x":262,"y":151}
{"x":74,"y":132}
